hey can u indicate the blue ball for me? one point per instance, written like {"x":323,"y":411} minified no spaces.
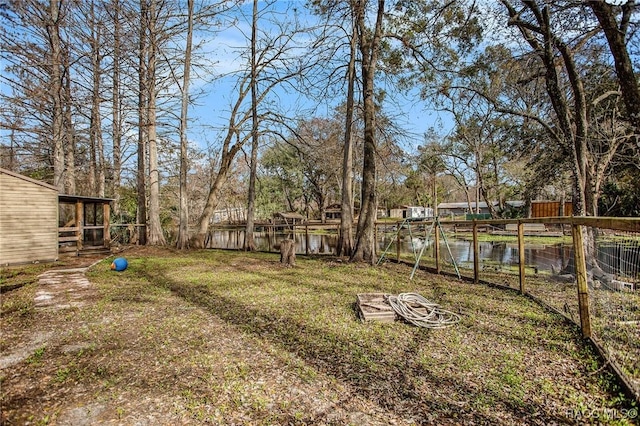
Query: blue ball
{"x":119,"y":264}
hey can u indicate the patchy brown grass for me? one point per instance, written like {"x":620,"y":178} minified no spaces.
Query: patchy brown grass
{"x":234,"y":338}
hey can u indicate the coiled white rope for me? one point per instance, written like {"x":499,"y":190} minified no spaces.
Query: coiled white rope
{"x":420,"y":312}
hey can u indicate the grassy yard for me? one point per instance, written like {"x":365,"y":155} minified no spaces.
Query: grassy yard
{"x":215,"y":337}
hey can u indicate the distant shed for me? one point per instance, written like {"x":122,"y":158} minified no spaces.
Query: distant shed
{"x":291,"y":219}
{"x":541,"y":208}
{"x":28,"y":220}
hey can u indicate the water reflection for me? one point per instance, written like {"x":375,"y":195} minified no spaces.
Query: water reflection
{"x":234,"y":239}
{"x":614,"y":258}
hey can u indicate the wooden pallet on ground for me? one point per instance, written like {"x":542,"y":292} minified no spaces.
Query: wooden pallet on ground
{"x":374,"y":307}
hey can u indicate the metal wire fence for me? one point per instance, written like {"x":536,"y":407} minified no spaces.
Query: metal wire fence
{"x":587,"y":269}
{"x":614,"y":297}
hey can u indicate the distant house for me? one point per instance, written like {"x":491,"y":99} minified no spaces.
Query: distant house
{"x":539,"y":208}
{"x":333,"y":212}
{"x":411,"y":212}
{"x":28,"y":220}
{"x":459,"y":209}
{"x":397,"y":212}
{"x":229,"y":215}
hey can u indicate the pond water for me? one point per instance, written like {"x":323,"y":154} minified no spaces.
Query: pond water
{"x":616,"y":258}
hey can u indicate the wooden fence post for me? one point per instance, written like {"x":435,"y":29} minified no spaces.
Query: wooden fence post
{"x":306,"y":239}
{"x":476,"y":254}
{"x":398,"y":243}
{"x":106,"y":218}
{"x":375,"y":237}
{"x":521,"y":258}
{"x":581,"y":278}
{"x":79,"y":226}
{"x":436,"y":244}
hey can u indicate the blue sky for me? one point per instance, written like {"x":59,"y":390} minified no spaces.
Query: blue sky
{"x":411,"y":113}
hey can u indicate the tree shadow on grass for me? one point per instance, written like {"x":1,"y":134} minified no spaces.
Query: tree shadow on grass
{"x":392,"y":377}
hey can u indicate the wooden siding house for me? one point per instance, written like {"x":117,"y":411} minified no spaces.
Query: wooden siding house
{"x":28,"y":220}
{"x":333,"y":212}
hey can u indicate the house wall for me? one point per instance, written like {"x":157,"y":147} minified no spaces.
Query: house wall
{"x":397,"y":213}
{"x":28,"y":220}
{"x":419,"y":212}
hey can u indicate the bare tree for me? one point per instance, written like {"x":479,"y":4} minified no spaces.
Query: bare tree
{"x":249,"y":243}
{"x":183,"y":230}
{"x":231,"y":145}
{"x":276,"y":66}
{"x":155,"y":235}
{"x":97,"y":174}
{"x":568,"y":96}
{"x":369,"y":45}
{"x":143,"y":120}
{"x":346,"y":240}
{"x":67,"y":126}
{"x":56,"y":90}
{"x":36,"y":57}
{"x":69,"y":130}
{"x":116,"y":110}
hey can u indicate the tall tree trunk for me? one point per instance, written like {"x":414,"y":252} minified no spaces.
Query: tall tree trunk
{"x":183,"y":229}
{"x":365,"y":248}
{"x":142,"y":125}
{"x":484,"y":195}
{"x":56,"y":94}
{"x":434,"y":195}
{"x":96,"y":166}
{"x":155,"y":235}
{"x":249,"y":243}
{"x":202,"y":228}
{"x":116,"y":111}
{"x":102,"y":172}
{"x":345,"y":237}
{"x":69,"y":132}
